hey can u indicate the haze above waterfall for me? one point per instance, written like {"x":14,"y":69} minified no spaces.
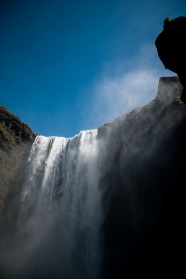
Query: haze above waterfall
{"x":72,"y":66}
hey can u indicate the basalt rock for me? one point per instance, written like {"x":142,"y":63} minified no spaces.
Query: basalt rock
{"x":171,"y":46}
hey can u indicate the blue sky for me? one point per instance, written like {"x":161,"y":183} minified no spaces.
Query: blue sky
{"x":67,"y":66}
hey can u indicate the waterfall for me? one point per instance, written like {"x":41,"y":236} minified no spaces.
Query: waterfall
{"x":107,"y":203}
{"x":59,"y":215}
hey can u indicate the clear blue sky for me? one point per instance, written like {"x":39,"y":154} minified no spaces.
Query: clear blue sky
{"x":67,"y":66}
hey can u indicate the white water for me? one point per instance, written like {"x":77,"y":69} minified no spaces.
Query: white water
{"x":60,"y":209}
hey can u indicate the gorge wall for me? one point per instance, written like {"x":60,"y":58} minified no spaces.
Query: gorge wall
{"x":107,"y":203}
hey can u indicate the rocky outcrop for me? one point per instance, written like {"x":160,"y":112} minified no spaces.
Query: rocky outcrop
{"x":171,"y":45}
{"x":16,"y":138}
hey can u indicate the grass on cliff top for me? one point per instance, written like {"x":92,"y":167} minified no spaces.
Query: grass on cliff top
{"x":11,"y":115}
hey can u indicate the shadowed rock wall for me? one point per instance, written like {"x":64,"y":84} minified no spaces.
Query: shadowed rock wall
{"x":143,"y":187}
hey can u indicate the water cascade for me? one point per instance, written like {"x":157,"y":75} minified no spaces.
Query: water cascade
{"x":59,"y":215}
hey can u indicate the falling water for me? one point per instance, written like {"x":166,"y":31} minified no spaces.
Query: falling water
{"x":59,"y":215}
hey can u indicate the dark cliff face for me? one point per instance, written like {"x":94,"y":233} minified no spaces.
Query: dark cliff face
{"x":16,"y":138}
{"x":143,"y":187}
{"x":171,"y":45}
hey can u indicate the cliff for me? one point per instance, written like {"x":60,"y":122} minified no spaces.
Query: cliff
{"x":143,"y":186}
{"x":171,"y":44}
{"x":16,"y":138}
